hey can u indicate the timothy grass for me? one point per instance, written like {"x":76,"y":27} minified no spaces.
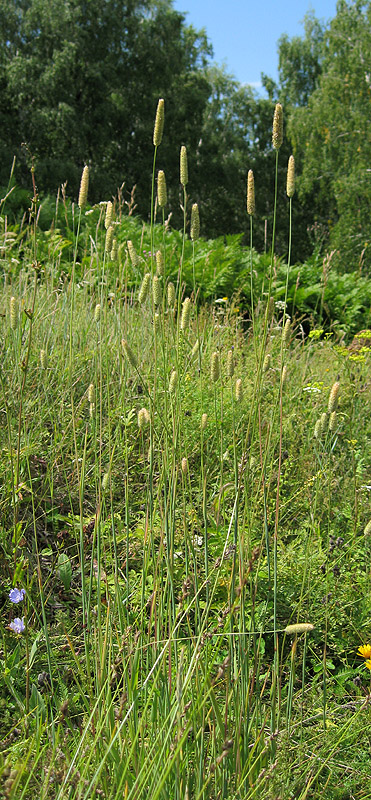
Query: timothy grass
{"x":167,"y":519}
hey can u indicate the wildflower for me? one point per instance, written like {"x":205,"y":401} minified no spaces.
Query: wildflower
{"x":16,"y":595}
{"x":364,"y":651}
{"x":17,"y":625}
{"x":368,"y":663}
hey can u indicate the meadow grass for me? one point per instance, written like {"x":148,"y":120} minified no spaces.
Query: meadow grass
{"x":179,"y":484}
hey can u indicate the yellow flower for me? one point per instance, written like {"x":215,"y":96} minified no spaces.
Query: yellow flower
{"x":368,"y":663}
{"x":365,"y":651}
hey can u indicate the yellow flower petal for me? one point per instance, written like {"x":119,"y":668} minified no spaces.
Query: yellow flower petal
{"x":368,"y":663}
{"x":364,"y":650}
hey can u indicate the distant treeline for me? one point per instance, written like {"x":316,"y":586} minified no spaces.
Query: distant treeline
{"x":80,"y":81}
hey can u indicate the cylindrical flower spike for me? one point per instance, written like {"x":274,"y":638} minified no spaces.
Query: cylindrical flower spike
{"x":134,"y":258}
{"x":109,"y":239}
{"x":13,"y":313}
{"x":143,"y":291}
{"x":108,"y":217}
{"x":97,"y":311}
{"x":267,"y":362}
{"x":334,"y":396}
{"x":183,"y":166}
{"x":332,"y":422}
{"x":203,"y":421}
{"x":156,"y":291}
{"x":286,"y":333}
{"x":300,"y":627}
{"x":91,"y":393}
{"x":186,"y":313}
{"x":367,"y":530}
{"x":159,"y":123}
{"x":114,"y":250}
{"x":84,"y":185}
{"x":159,"y":263}
{"x":239,"y":390}
{"x":250,"y":193}
{"x":170,"y":294}
{"x":290,"y":182}
{"x":215,"y":367}
{"x":161,"y":189}
{"x":129,"y":353}
{"x":195,"y":223}
{"x":323,"y":421}
{"x":317,"y":429}
{"x":277,"y":135}
{"x":43,"y":359}
{"x":173,"y":381}
{"x":284,"y":374}
{"x":230,"y":364}
{"x":143,"y":418}
{"x":184,"y":466}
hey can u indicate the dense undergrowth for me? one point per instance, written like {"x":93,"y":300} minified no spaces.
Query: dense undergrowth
{"x":180,"y":482}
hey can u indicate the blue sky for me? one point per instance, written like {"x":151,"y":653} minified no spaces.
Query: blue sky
{"x":244,"y":33}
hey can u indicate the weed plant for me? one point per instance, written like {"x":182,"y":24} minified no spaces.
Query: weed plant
{"x":184,"y":511}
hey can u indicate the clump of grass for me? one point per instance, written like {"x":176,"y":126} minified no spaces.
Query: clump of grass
{"x":171,"y":521}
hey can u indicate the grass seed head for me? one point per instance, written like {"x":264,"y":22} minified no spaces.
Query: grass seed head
{"x":84,"y":185}
{"x":286,"y":333}
{"x":267,"y":362}
{"x":108,"y":217}
{"x":159,"y":123}
{"x":230,"y":364}
{"x":183,"y":166}
{"x":91,"y":410}
{"x":334,"y":396}
{"x":367,"y":530}
{"x":160,"y":266}
{"x":157,"y":322}
{"x":170,"y":294}
{"x":97,"y":311}
{"x":91,"y":393}
{"x":277,"y":135}
{"x":186,"y":313}
{"x":143,"y":418}
{"x":195,"y":349}
{"x":195,"y":223}
{"x":109,"y":240}
{"x":284,"y":374}
{"x":239,"y":390}
{"x":300,"y":627}
{"x":13,"y":313}
{"x":290,"y":182}
{"x":129,"y":353}
{"x":133,"y":255}
{"x":332,"y":422}
{"x":203,"y":421}
{"x":323,"y":421}
{"x":317,"y":433}
{"x":43,"y":359}
{"x":250,"y":193}
{"x":173,"y":381}
{"x":114,"y":250}
{"x":215,"y":367}
{"x":161,"y":189}
{"x":143,"y":291}
{"x":156,"y":290}
{"x":184,"y":466}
